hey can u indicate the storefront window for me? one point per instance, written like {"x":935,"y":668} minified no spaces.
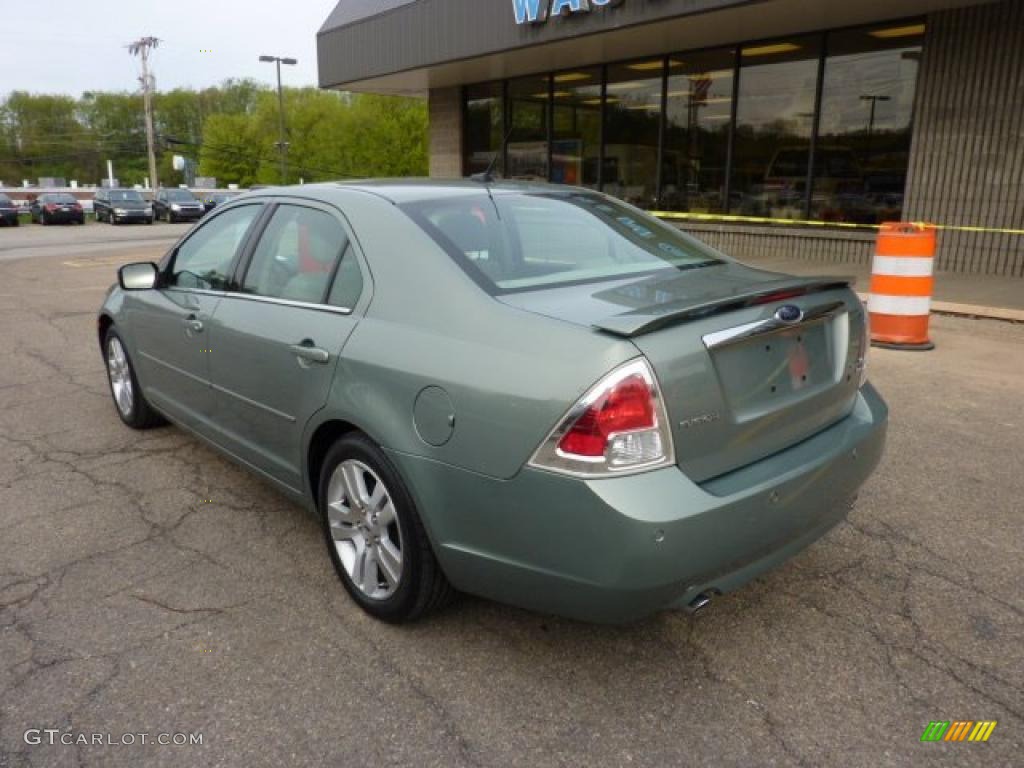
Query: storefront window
{"x":528,"y":135}
{"x":698,"y":121}
{"x":863,"y":146}
{"x":484,"y":128}
{"x":752,"y":157}
{"x":774,"y":123}
{"x":632,"y":128}
{"x":576,"y":140}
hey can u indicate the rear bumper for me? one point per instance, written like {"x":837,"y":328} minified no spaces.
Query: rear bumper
{"x":618,"y":549}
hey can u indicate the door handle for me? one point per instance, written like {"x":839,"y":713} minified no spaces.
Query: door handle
{"x":193,"y":325}
{"x":308,"y":353}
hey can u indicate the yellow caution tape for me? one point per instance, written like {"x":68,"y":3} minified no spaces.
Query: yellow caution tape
{"x":713,"y":217}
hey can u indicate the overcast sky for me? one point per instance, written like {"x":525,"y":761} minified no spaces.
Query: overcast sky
{"x":70,"y":46}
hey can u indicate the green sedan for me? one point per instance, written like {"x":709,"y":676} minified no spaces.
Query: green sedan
{"x":532,"y":393}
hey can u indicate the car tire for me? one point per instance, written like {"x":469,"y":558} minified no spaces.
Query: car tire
{"x":129,"y":401}
{"x":363,"y":538}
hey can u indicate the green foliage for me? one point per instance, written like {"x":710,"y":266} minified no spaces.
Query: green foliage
{"x":232,"y":130}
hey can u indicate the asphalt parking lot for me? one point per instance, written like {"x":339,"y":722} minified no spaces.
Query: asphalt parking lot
{"x":149,"y":586}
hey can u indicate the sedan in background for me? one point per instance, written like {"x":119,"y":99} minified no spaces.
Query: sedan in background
{"x":57,"y":208}
{"x":218,"y":198}
{"x":8,"y":211}
{"x":120,"y":206}
{"x":177,"y":204}
{"x":532,"y":393}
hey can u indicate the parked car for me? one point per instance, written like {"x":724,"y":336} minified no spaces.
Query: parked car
{"x":217,"y":198}
{"x":177,"y":204}
{"x":532,"y":393}
{"x":8,"y":211}
{"x":122,"y":205}
{"x":57,"y":208}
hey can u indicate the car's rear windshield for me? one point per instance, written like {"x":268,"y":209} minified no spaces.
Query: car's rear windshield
{"x":125,"y":196}
{"x":180,"y":195}
{"x":62,"y":198}
{"x":526,"y":241}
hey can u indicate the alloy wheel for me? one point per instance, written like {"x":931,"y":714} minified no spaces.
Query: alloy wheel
{"x":120,"y":376}
{"x":364,"y":527}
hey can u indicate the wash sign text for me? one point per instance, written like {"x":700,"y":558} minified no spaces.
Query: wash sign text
{"x":538,"y":11}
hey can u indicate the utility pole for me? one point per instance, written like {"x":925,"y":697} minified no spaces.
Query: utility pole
{"x":141,"y":48}
{"x":282,"y":145}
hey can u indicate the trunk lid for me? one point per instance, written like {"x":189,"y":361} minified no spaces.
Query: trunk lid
{"x":741,"y":377}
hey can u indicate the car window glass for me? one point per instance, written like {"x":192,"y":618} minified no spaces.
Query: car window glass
{"x":525,"y":241}
{"x":296,"y":256}
{"x":204,"y":260}
{"x":348,"y":282}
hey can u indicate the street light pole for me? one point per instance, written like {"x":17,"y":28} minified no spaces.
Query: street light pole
{"x":282,"y":145}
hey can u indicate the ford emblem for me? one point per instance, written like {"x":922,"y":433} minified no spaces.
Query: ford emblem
{"x":789,"y":314}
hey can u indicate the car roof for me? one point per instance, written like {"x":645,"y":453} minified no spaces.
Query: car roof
{"x":401,"y":191}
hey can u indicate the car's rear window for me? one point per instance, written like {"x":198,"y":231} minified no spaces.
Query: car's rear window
{"x":65,"y":198}
{"x":526,"y":241}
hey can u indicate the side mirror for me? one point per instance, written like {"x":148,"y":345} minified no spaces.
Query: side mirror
{"x":140,"y":276}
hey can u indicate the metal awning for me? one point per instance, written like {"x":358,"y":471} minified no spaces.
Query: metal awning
{"x":410,"y":46}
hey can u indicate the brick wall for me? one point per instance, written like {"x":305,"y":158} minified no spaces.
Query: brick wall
{"x":445,"y":109}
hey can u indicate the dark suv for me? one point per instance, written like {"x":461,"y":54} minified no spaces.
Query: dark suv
{"x":57,"y":208}
{"x":173,"y":205}
{"x":120,"y":205}
{"x":8,"y":211}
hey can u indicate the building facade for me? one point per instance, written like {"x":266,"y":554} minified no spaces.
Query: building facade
{"x":775,"y":127}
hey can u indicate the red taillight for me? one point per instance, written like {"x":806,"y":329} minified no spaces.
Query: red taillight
{"x":626,"y":407}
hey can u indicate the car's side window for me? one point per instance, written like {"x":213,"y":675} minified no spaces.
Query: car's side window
{"x":348,"y":282}
{"x":204,"y":260}
{"x":296,"y":256}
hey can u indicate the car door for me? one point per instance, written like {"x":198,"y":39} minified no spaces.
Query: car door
{"x":169,"y":325}
{"x":277,"y":339}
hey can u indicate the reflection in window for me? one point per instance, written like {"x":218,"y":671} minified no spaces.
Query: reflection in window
{"x":632,"y":123}
{"x":528,"y":139}
{"x":484,"y":127}
{"x":576,"y":142}
{"x":863,"y":146}
{"x":774,"y":122}
{"x":297,"y":255}
{"x":699,"y":110}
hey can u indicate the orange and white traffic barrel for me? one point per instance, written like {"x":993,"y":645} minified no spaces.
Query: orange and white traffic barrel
{"x":902,"y":284}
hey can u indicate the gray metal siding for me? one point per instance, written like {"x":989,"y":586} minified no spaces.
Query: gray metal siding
{"x":427,"y":32}
{"x":967,"y":158}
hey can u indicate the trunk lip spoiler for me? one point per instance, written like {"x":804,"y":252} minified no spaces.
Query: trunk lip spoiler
{"x":640,"y":321}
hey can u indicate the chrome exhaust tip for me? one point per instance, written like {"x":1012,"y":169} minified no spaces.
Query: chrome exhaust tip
{"x":698,"y":603}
